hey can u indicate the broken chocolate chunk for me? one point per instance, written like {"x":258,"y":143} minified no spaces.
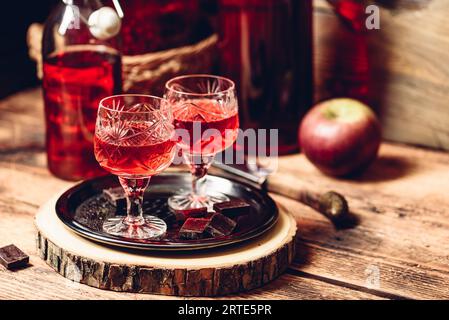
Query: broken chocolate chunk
{"x":232,"y":208}
{"x":116,"y":196}
{"x":193,"y":212}
{"x":12,"y":257}
{"x":220,"y":225}
{"x":193,"y":228}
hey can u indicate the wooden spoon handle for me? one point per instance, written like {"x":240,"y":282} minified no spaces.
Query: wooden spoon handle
{"x":331,"y":204}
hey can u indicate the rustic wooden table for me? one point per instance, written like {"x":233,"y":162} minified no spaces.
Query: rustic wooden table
{"x":399,"y":248}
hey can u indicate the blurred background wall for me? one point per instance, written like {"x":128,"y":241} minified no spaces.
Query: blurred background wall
{"x":17,"y":71}
{"x":403,"y":65}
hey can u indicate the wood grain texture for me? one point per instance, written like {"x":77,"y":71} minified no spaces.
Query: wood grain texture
{"x":208,"y":273}
{"x":409,"y":80}
{"x":403,"y":218}
{"x":400,"y":203}
{"x":25,"y":184}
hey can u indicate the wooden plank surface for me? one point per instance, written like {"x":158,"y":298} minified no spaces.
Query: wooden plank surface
{"x":403,"y":214}
{"x":400,"y":203}
{"x":405,"y":61}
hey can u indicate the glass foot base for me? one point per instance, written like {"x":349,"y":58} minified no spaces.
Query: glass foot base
{"x":186,"y":201}
{"x":149,"y":228}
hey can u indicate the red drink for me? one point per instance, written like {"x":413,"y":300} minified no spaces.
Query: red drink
{"x":205,"y":112}
{"x":352,"y":12}
{"x":134,"y":140}
{"x":347,"y":72}
{"x":208,"y":129}
{"x":74,"y":83}
{"x":135,"y":159}
{"x":266,"y":48}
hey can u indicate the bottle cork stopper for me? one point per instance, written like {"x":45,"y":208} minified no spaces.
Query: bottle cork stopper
{"x":104,"y":23}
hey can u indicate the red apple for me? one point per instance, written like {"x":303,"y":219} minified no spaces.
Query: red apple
{"x":340,"y":136}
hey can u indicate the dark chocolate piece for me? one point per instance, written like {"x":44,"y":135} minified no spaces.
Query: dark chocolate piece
{"x":220,"y":225}
{"x":194,"y":212}
{"x":232,"y":208}
{"x":12,"y":257}
{"x":193,"y":228}
{"x":116,"y":196}
{"x":209,"y":215}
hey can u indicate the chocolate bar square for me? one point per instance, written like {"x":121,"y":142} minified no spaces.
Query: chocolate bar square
{"x":193,"y":212}
{"x":220,"y":225}
{"x":12,"y":257}
{"x":194,"y":228}
{"x":233,"y":208}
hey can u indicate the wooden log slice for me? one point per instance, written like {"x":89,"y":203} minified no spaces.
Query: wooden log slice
{"x":213,"y":272}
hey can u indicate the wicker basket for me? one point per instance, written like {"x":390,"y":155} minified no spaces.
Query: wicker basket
{"x":147,"y":73}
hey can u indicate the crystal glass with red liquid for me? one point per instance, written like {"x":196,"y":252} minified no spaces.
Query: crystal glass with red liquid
{"x":78,"y":71}
{"x":205,"y":112}
{"x":206,"y":116}
{"x":135,"y":140}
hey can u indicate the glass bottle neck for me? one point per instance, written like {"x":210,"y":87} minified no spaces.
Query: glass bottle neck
{"x":94,"y":5}
{"x":82,"y":2}
{"x":85,"y":4}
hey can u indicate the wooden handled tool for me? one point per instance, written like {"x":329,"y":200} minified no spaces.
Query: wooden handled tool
{"x":331,"y":204}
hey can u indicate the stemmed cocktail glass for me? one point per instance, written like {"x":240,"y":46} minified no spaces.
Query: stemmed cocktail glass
{"x":205,"y":112}
{"x":134,"y":139}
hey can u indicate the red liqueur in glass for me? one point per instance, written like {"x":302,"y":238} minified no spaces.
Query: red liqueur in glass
{"x":208,"y":130}
{"x":134,"y":159}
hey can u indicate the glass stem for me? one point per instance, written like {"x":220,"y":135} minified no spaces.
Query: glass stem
{"x":199,"y":164}
{"x":134,"y":190}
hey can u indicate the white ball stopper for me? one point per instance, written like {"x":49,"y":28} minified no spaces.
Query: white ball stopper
{"x":104,"y":23}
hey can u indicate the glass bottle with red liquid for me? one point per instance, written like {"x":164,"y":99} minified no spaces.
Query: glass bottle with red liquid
{"x":348,"y":69}
{"x":266,"y":48}
{"x":81,"y":65}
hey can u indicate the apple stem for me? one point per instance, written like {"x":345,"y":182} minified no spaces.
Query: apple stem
{"x":330,"y":114}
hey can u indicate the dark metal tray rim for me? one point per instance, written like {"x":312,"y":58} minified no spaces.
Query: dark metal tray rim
{"x":205,"y":244}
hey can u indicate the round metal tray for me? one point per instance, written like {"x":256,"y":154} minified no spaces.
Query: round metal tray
{"x":83,"y":208}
